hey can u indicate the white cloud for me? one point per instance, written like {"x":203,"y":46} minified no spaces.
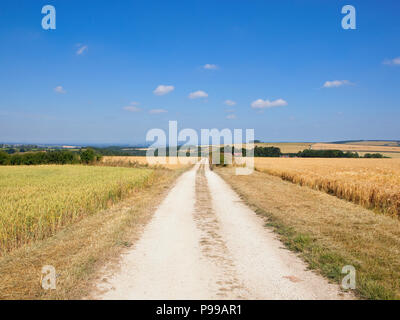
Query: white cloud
{"x":198,"y":94}
{"x":82,"y":49}
{"x":132,"y":107}
{"x":163,"y":89}
{"x":392,"y":62}
{"x":336,"y":83}
{"x":60,"y":89}
{"x":231,"y":116}
{"x":210,"y":66}
{"x":229,"y":102}
{"x":155,"y":111}
{"x":262,"y":104}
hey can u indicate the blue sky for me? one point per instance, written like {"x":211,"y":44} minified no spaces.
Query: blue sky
{"x":92,"y":80}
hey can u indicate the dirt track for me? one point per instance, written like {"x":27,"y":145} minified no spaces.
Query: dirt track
{"x":204,"y":243}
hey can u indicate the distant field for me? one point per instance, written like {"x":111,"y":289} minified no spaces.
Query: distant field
{"x":151,"y":161}
{"x":354,"y":147}
{"x":387,"y":148}
{"x":374,"y":143}
{"x":36,"y":201}
{"x":394,"y":155}
{"x":287,"y":147}
{"x":372,"y":183}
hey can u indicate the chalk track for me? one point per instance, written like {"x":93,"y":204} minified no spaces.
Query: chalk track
{"x":203,"y":242}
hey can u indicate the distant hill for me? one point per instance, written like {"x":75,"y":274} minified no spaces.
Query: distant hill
{"x":382,"y":143}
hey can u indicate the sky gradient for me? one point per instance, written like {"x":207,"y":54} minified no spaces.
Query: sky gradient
{"x":110,"y":72}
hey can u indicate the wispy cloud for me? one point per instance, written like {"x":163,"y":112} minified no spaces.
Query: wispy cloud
{"x":209,"y":66}
{"x":60,"y":89}
{"x":133,"y":107}
{"x":336,"y":83}
{"x":264,"y":104}
{"x":392,"y":62}
{"x":163,"y":89}
{"x":229,"y":102}
{"x":82,"y":49}
{"x":156,"y":111}
{"x":231,"y":116}
{"x":198,"y":94}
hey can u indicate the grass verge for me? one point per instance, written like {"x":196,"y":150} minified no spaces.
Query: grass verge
{"x":327,"y":232}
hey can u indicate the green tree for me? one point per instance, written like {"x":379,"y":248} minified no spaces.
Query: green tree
{"x":373,"y":155}
{"x":4,"y":158}
{"x":88,"y":156}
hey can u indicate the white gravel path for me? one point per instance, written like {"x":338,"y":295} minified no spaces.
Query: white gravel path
{"x":203,"y":242}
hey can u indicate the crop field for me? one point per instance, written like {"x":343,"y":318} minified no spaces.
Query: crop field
{"x":287,"y":147}
{"x":148,"y":161}
{"x":389,"y":149}
{"x":389,"y":143}
{"x":355,"y":147}
{"x":386,"y":148}
{"x":37,"y":201}
{"x":372,"y":183}
{"x":394,"y":155}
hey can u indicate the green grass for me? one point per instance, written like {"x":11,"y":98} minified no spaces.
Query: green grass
{"x":318,"y":257}
{"x":329,"y":263}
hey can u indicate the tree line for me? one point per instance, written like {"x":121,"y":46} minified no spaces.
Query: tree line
{"x":50,"y":157}
{"x":90,"y":155}
{"x":335,"y":154}
{"x":307,"y":153}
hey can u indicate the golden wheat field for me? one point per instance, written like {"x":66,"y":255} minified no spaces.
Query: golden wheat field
{"x":133,"y":161}
{"x":36,"y":201}
{"x":372,"y":183}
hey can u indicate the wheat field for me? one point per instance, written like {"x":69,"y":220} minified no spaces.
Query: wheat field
{"x":37,"y":201}
{"x":372,"y":183}
{"x":133,"y":161}
{"x":355,"y":147}
{"x":386,"y":148}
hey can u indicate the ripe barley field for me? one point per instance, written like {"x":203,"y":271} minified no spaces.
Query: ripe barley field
{"x":372,"y":183}
{"x":36,"y":201}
